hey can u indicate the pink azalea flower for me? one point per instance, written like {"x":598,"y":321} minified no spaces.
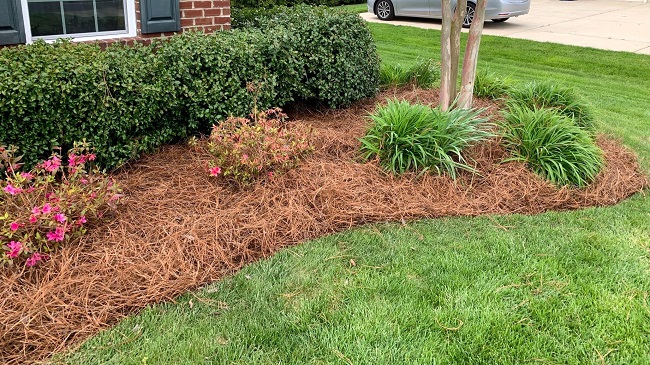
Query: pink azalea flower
{"x":83,"y":181}
{"x":36,"y":210}
{"x":26,"y":175}
{"x":33,"y":219}
{"x":34,"y":259}
{"x":57,"y":236}
{"x":10,"y":189}
{"x":14,"y":226}
{"x":46,"y":209}
{"x":52,"y":164}
{"x":91,"y":156}
{"x":93,"y":195}
{"x":14,"y":249}
{"x":81,"y":220}
{"x":214,"y":171}
{"x":30,"y":189}
{"x":244,"y":157}
{"x":60,"y":217}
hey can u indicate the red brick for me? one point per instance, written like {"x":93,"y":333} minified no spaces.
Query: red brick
{"x":221,"y":4}
{"x":226,"y":12}
{"x":202,"y":4}
{"x":187,"y":23}
{"x":212,"y":12}
{"x":222,"y":20}
{"x":203,"y":21}
{"x":187,"y":5}
{"x":194,"y":13}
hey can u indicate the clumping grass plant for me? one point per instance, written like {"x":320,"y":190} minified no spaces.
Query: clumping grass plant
{"x":552,"y":145}
{"x":424,"y":74}
{"x":415,"y":137}
{"x":489,"y":85}
{"x":552,"y":96}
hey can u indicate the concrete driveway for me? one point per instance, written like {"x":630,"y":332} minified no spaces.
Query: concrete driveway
{"x":605,"y":24}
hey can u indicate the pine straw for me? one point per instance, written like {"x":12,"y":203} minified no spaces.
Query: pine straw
{"x":181,"y":229}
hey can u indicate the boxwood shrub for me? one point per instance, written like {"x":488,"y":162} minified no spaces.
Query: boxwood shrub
{"x":129,"y":100}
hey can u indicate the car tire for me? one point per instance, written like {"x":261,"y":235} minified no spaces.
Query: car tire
{"x":385,"y":10}
{"x":500,"y":20}
{"x":469,"y":15}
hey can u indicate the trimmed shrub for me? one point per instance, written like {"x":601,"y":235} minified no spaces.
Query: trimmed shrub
{"x":126,"y":101}
{"x":407,"y":137}
{"x":425,"y":74}
{"x":488,"y":85}
{"x":537,"y":95}
{"x":334,"y":53}
{"x":269,"y":4}
{"x":552,"y":145}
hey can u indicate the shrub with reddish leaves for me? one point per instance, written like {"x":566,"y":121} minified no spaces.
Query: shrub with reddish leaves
{"x":50,"y":205}
{"x":261,"y":145}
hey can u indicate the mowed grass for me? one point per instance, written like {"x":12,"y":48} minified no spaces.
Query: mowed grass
{"x":556,"y":288}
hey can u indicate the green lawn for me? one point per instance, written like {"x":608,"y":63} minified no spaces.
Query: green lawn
{"x":557,"y":288}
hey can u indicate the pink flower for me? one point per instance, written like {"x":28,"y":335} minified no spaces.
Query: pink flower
{"x":91,"y":156}
{"x":83,"y":181}
{"x":33,"y":219}
{"x":57,"y":236}
{"x":60,"y":217}
{"x":34,"y":259}
{"x":30,"y":189}
{"x":26,"y":175}
{"x":46,"y":208}
{"x":81,"y":220}
{"x":36,"y":210}
{"x":14,"y":249}
{"x":244,"y":157}
{"x":10,"y":189}
{"x":270,"y":174}
{"x":14,"y":226}
{"x":52,"y":164}
{"x":93,"y":195}
{"x":214,"y":171}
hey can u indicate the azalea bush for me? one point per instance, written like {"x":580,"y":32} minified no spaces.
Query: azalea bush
{"x":263,"y":144}
{"x":51,"y":204}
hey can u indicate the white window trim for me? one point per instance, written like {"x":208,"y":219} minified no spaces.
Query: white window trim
{"x":131,"y":25}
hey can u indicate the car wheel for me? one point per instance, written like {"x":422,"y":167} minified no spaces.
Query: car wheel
{"x":385,"y":10}
{"x":500,"y":20}
{"x":469,"y":15}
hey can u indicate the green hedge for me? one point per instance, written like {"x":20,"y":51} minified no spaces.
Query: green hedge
{"x":126,"y":101}
{"x":268,"y":4}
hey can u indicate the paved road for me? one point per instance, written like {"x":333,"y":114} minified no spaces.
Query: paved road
{"x":605,"y":24}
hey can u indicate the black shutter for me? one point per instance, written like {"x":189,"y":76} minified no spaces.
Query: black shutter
{"x":12,"y":30}
{"x":159,"y":16}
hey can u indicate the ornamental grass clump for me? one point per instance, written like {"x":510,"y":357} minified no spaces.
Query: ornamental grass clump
{"x":50,"y":205}
{"x":552,"y":145}
{"x":406,"y":137}
{"x":424,"y":74}
{"x":489,"y":85}
{"x":547,"y":95}
{"x":264,"y":144}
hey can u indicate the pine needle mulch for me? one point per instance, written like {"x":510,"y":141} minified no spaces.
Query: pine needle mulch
{"x":180,"y":229}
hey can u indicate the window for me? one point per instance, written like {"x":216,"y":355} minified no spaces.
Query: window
{"x":78,"y":19}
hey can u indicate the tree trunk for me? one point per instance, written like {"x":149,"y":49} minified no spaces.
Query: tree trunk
{"x":445,"y":57}
{"x":456,"y":26}
{"x":471,"y":57}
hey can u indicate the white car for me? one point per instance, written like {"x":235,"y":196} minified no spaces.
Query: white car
{"x":496,"y":10}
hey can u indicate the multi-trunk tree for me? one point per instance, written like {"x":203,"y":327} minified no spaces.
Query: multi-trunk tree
{"x":450,"y":49}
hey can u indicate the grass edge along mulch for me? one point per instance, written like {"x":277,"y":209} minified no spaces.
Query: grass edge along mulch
{"x":180,"y":229}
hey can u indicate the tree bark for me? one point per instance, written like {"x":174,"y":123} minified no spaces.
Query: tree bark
{"x":445,"y":57}
{"x":456,"y":26}
{"x":471,"y":57}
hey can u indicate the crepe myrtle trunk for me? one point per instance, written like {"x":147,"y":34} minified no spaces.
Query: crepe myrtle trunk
{"x":446,"y":58}
{"x":456,"y":26}
{"x":468,"y":74}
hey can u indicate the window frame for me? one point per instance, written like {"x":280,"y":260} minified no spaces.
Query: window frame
{"x":129,"y":21}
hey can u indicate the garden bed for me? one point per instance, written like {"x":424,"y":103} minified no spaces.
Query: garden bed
{"x":180,"y":229}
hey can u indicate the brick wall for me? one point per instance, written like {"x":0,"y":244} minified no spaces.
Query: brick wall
{"x":205,"y":15}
